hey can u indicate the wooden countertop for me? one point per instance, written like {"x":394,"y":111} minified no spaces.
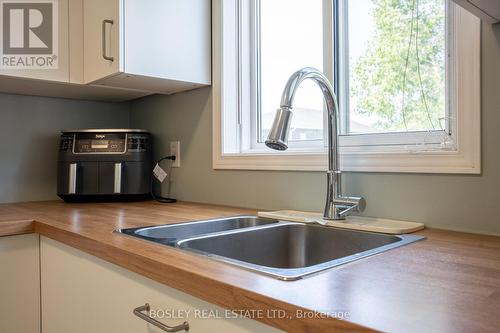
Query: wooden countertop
{"x":15,"y":221}
{"x":447,"y":283}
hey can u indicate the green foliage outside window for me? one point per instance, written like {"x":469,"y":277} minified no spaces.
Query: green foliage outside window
{"x":400,"y":80}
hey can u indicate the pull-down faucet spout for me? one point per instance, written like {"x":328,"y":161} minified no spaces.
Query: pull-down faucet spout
{"x":337,"y":206}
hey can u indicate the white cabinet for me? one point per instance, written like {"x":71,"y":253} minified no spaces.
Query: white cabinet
{"x":156,"y":45}
{"x":19,"y":284}
{"x":82,"y":293}
{"x":488,"y":10}
{"x":122,"y":49}
{"x":61,"y":73}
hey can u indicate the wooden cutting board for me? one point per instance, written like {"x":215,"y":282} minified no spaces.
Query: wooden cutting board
{"x":372,"y":224}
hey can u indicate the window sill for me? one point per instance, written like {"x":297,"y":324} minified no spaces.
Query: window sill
{"x":449,"y":162}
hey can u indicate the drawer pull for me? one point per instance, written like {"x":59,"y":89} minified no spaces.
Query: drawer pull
{"x":139,"y":312}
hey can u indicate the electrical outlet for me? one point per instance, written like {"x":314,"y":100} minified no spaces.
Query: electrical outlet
{"x":175,"y":149}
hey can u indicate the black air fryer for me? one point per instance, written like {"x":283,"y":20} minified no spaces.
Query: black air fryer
{"x":104,"y":165}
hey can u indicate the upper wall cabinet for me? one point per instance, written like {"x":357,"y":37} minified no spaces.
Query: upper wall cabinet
{"x":161,"y":46}
{"x":488,"y":10}
{"x":113,"y":50}
{"x":22,"y":61}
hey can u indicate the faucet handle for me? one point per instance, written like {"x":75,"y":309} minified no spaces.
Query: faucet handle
{"x":346,"y":210}
{"x":349,"y":204}
{"x":357,"y":203}
{"x":342,"y":206}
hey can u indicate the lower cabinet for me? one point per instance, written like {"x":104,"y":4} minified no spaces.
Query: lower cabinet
{"x":82,"y":294}
{"x":19,"y":284}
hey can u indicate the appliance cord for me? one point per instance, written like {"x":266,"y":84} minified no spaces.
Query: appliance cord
{"x":160,"y":198}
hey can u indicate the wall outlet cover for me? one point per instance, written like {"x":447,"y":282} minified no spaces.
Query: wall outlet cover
{"x":175,"y":149}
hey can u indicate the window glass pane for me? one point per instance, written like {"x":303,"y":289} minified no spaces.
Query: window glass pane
{"x":397,"y":62}
{"x":291,"y":38}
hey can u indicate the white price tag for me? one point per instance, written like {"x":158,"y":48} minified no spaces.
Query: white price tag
{"x":159,"y":173}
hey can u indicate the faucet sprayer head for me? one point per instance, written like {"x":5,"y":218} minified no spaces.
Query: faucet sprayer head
{"x":278,"y":136}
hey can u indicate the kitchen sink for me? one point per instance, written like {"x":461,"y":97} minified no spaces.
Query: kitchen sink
{"x":285,"y":250}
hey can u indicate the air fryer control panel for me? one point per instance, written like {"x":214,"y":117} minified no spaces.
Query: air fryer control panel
{"x":137,"y":143}
{"x":104,"y":143}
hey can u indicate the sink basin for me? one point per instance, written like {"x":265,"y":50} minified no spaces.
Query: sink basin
{"x":169,"y":234}
{"x":285,"y":250}
{"x":290,"y":251}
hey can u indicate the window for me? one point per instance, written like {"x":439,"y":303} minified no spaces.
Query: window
{"x":406,"y":75}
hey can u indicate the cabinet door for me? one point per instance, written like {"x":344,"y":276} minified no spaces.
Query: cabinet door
{"x":168,"y":39}
{"x":19,"y":284}
{"x":81,"y":294}
{"x":61,"y":73}
{"x":101,"y":38}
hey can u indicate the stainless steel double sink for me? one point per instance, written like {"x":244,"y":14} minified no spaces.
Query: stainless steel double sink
{"x":285,"y":250}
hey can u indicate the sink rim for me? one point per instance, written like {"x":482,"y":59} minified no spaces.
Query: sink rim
{"x":135,"y":232}
{"x":293,"y":274}
{"x":190,"y":222}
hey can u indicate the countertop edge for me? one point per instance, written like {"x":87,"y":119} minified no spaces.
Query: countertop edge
{"x":17,"y":227}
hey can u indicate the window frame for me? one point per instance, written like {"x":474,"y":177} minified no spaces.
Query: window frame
{"x":464,"y":157}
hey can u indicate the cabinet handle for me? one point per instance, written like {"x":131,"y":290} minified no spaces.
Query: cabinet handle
{"x":139,"y":313}
{"x":106,"y":57}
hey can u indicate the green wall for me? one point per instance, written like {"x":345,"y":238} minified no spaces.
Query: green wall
{"x":456,"y":202}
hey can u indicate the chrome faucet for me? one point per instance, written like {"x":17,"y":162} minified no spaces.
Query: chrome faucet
{"x":337,"y":206}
